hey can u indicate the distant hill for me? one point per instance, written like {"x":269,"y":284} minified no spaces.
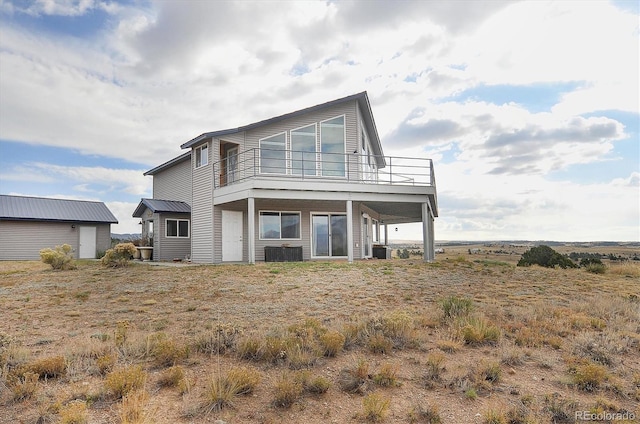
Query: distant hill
{"x":125,"y":237}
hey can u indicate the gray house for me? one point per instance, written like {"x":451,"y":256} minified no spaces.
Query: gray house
{"x":311,"y":184}
{"x":28,"y":224}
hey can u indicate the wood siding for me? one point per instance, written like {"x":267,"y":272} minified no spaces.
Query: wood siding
{"x":202,"y":210}
{"x":174,"y":183}
{"x":22,"y":240}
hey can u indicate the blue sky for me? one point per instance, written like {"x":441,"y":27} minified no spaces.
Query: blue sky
{"x":533,"y":128}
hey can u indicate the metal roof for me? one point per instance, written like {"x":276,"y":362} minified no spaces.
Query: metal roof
{"x":361,"y":98}
{"x":45,"y":209}
{"x":166,"y":206}
{"x":183,"y":157}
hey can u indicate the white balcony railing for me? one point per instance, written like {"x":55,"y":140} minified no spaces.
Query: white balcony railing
{"x":354,"y":168}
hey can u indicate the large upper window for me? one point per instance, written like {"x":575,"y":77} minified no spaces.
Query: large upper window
{"x":303,"y":150}
{"x":177,"y":227}
{"x":273,"y":155}
{"x":279,"y":225}
{"x":202,"y":156}
{"x":332,"y":140}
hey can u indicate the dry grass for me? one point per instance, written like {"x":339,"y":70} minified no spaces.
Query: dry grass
{"x":296,"y":342}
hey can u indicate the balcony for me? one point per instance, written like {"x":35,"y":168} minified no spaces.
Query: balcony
{"x":290,"y":165}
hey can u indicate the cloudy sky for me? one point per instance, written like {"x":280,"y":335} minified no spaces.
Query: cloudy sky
{"x":530,"y":110}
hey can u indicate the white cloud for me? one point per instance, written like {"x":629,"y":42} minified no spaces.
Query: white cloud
{"x":97,"y":179}
{"x":126,"y":223}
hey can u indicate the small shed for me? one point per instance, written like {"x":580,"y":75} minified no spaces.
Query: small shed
{"x":28,"y":224}
{"x":166,"y":225}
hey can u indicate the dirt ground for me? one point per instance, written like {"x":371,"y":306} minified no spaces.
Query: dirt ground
{"x":552,"y":323}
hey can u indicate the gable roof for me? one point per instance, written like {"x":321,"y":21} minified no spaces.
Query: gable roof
{"x":45,"y":209}
{"x":168,"y":164}
{"x":157,"y":205}
{"x":361,"y":98}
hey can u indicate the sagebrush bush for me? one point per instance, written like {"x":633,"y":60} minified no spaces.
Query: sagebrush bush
{"x":375,"y":407}
{"x":122,"y":381}
{"x":317,"y":384}
{"x":218,"y":341}
{"x":24,"y":386}
{"x":379,"y":343}
{"x":49,"y":367}
{"x":165,"y":350}
{"x":287,"y":390}
{"x":355,"y":379}
{"x":589,"y":377}
{"x":454,"y":307}
{"x":119,"y":256}
{"x":133,"y":408}
{"x":332,"y":342}
{"x":74,"y":413}
{"x":172,"y":377}
{"x":427,"y":415}
{"x":60,"y":257}
{"x":434,"y":370}
{"x":387,"y":376}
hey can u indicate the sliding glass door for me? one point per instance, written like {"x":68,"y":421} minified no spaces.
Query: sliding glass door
{"x":329,"y":235}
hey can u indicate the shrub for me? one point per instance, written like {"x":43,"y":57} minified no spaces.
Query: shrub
{"x":122,"y":381}
{"x":476,"y":331}
{"x":218,"y":341}
{"x":74,"y":413}
{"x":50,"y":367}
{"x":60,"y":257}
{"x":378,"y":343}
{"x":317,"y":385}
{"x":435,"y":367}
{"x":494,"y":416}
{"x":454,"y":307}
{"x":23,"y":387}
{"x":165,"y":350}
{"x":387,"y":376}
{"x":354,"y":380}
{"x":119,"y":256}
{"x":287,"y":390}
{"x":428,"y":415}
{"x":596,"y":268}
{"x":491,"y":372}
{"x":105,"y":363}
{"x":589,"y":377}
{"x":545,"y":256}
{"x":249,"y":347}
{"x":172,"y":377}
{"x":223,"y":389}
{"x":332,"y":343}
{"x":243,"y":379}
{"x":132,"y":410}
{"x":375,"y":407}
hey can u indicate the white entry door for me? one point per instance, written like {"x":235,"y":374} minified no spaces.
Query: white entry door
{"x":232,"y":236}
{"x":87,"y":243}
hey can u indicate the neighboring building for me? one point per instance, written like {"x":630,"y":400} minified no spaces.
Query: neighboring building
{"x":28,"y":224}
{"x":314,"y":180}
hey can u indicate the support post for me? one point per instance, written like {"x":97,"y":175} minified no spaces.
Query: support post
{"x":350,"y":231}
{"x":386,"y":234}
{"x":428,"y":242}
{"x":251,"y":229}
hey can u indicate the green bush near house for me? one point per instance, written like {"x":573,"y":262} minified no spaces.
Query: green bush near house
{"x":545,"y":256}
{"x":60,"y":257}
